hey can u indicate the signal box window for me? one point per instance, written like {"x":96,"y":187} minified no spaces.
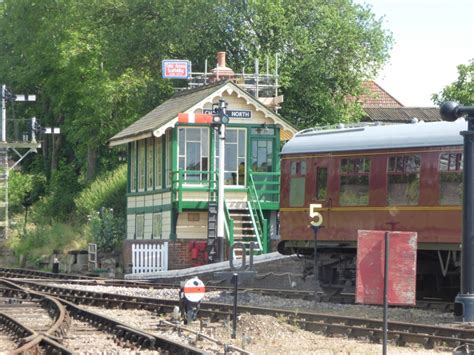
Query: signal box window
{"x":321,"y":183}
{"x":403,"y":180}
{"x":450,"y":178}
{"x":297,"y":183}
{"x":354,"y":188}
{"x":133,"y":166}
{"x":141,"y":165}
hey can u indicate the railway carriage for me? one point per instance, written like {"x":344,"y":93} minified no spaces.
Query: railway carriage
{"x":405,"y":177}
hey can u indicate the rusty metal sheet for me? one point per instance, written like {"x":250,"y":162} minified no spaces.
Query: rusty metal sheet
{"x":401,"y":267}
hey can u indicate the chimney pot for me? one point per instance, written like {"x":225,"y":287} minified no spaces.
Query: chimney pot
{"x":221,"y":59}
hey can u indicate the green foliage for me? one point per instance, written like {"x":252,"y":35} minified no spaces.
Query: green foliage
{"x":462,"y":90}
{"x":44,"y":239}
{"x":96,"y":68}
{"x":23,"y":187}
{"x":107,"y":191}
{"x":107,"y":231}
{"x":58,"y":205}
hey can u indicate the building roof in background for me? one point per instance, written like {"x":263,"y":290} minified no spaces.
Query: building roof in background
{"x":401,"y":114}
{"x":377,"y":97}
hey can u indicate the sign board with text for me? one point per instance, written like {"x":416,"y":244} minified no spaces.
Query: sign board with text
{"x":242,"y":114}
{"x":176,"y":69}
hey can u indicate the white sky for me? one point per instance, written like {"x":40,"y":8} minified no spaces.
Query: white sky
{"x":431,"y":38}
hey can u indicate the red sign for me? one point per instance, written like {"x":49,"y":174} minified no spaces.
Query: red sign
{"x":401,"y":267}
{"x":176,"y":69}
{"x":194,"y":118}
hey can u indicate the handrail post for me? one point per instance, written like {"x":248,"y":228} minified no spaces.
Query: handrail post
{"x":265,"y":236}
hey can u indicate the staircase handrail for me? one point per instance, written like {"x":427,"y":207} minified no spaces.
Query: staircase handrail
{"x":258,"y":220}
{"x":275,"y":182}
{"x":228,"y":226}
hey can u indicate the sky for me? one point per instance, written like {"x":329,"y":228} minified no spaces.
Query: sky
{"x":431,"y":38}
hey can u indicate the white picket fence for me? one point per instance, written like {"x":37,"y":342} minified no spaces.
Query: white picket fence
{"x":149,"y":257}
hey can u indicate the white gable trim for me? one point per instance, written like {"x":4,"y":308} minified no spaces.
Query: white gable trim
{"x":230,"y":88}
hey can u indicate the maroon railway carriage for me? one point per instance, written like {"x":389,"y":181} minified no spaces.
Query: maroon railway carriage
{"x":396,"y":177}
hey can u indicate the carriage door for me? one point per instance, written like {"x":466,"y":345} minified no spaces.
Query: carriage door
{"x":321,"y":194}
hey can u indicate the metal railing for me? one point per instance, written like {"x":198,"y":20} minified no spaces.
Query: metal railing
{"x":267,"y":185}
{"x":256,"y":213}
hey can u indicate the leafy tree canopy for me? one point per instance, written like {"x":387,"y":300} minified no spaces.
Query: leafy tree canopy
{"x":95,"y":66}
{"x":462,"y":90}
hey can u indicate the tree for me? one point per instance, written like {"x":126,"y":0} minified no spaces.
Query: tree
{"x":462,"y":90}
{"x":327,"y":49}
{"x":96,"y":65}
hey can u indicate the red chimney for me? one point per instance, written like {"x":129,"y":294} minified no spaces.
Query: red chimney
{"x":221,"y":72}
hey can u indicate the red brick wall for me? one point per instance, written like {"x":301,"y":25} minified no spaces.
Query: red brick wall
{"x":179,"y":253}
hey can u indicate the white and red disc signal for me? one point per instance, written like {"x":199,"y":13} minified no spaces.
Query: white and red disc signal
{"x":204,"y":118}
{"x":194,"y":290}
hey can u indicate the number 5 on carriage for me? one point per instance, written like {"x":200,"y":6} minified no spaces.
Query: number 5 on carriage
{"x":313,"y":213}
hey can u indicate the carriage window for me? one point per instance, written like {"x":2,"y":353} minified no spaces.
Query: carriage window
{"x":450,"y":178}
{"x":297,"y":183}
{"x":321,"y":183}
{"x":354,"y":187}
{"x":404,"y":180}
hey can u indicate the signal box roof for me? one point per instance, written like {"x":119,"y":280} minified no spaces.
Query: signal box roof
{"x":372,"y":137}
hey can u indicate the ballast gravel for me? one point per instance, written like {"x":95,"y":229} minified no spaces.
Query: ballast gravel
{"x":260,"y":334}
{"x":412,"y":315}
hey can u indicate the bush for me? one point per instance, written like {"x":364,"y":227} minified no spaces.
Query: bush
{"x":107,"y":231}
{"x":108,"y":191}
{"x":44,"y":239}
{"x":24,"y":186}
{"x":58,"y":204}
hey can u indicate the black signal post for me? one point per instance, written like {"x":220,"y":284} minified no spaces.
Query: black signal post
{"x":464,"y":302}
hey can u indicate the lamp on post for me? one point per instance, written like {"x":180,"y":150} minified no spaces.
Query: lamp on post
{"x":464,"y":302}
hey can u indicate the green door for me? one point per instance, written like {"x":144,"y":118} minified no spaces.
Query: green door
{"x":263,"y":164}
{"x":262,"y":155}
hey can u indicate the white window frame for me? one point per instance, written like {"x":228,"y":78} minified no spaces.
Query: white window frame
{"x":141,"y":146}
{"x":158,"y":168}
{"x":203,"y":131}
{"x":237,"y":158}
{"x":133,"y":167}
{"x":149,"y":164}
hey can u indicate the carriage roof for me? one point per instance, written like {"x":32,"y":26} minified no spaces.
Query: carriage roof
{"x":356,"y":138}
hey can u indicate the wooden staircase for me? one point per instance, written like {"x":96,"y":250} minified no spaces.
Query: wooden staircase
{"x":244,"y":229}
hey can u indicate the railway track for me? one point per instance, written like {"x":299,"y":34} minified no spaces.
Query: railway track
{"x":342,"y":298}
{"x":47,"y":329}
{"x":400,"y":332}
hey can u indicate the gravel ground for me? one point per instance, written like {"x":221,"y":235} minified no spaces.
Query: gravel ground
{"x":412,"y":315}
{"x":259,"y":334}
{"x":273,"y":335}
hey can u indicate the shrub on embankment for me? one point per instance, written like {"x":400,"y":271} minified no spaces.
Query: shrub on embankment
{"x":97,"y":215}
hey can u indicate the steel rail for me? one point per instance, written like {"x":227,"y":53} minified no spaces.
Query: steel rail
{"x":31,"y":341}
{"x":403,"y":333}
{"x":120,"y":330}
{"x":343,"y":298}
